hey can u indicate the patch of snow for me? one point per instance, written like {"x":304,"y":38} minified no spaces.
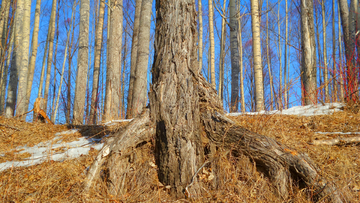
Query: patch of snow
{"x":336,"y":133}
{"x":309,"y":110}
{"x":68,"y":132}
{"x":113,"y":122}
{"x":42,"y":152}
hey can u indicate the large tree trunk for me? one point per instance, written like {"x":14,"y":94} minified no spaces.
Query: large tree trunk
{"x":139,"y":98}
{"x":234,"y":48}
{"x":113,"y":72}
{"x":81,"y":77}
{"x":182,"y":103}
{"x":308,"y":58}
{"x":134,"y":50}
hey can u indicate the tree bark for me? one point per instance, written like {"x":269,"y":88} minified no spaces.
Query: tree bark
{"x":268,"y":58}
{"x":258,"y":72}
{"x":281,"y":106}
{"x":241,"y":61}
{"x":134,"y":50}
{"x":139,"y":98}
{"x":326,"y":82}
{"x":200,"y":45}
{"x":334,"y":72}
{"x":96,"y":73}
{"x":81,"y":77}
{"x":113,"y":72}
{"x":222,"y":53}
{"x":212,"y":43}
{"x":235,"y":67}
{"x":308,"y":58}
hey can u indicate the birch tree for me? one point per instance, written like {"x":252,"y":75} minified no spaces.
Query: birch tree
{"x":212,"y":43}
{"x":82,"y":66}
{"x":134,"y":50}
{"x":308,"y":57}
{"x":139,"y":98}
{"x":258,"y":73}
{"x":113,"y":71}
{"x":326,"y":81}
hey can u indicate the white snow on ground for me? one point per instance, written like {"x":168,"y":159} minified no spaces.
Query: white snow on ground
{"x":42,"y":151}
{"x":310,"y":110}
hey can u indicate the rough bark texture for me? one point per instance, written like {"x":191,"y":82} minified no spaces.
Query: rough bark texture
{"x":258,"y":73}
{"x":308,"y":58}
{"x":113,"y":72}
{"x":81,"y":77}
{"x":139,"y":98}
{"x":134,"y":50}
{"x":234,"y":57}
{"x":174,"y":97}
{"x":200,"y":45}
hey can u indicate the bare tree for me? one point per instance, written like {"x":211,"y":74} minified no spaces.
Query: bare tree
{"x":268,"y":58}
{"x":200,"y":34}
{"x":255,"y":27}
{"x":235,"y":66}
{"x":134,"y":51}
{"x":326,"y":81}
{"x":139,"y":98}
{"x":81,"y":77}
{"x":222,"y":53}
{"x":113,"y":72}
{"x":308,"y":58}
{"x":212,"y":43}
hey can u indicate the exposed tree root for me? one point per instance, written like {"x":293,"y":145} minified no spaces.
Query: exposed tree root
{"x":280,"y":163}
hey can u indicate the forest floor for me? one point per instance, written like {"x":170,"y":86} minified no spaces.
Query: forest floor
{"x":48,"y":163}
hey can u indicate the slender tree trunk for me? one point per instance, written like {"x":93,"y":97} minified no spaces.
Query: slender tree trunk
{"x":268,"y":57}
{"x":241,"y":61}
{"x":235,"y":66}
{"x":334,"y":82}
{"x":341,"y":69}
{"x":354,"y":72}
{"x":286,"y":105}
{"x":54,"y":62}
{"x":50,"y":55}
{"x":200,"y":35}
{"x":97,"y":55}
{"x":134,"y":51}
{"x":15,"y":61}
{"x":81,"y":77}
{"x":139,"y":99}
{"x":308,"y":58}
{"x":4,"y":34}
{"x":174,"y":99}
{"x":34,"y":47}
{"x":113,"y":72}
{"x":258,"y":72}
{"x":280,"y":60}
{"x":326,"y":82}
{"x":63,"y":66}
{"x":222,"y":53}
{"x":212,"y":44}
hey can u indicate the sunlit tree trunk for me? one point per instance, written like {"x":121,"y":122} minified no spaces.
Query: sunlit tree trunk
{"x":341,"y":69}
{"x":200,"y":35}
{"x":326,"y":82}
{"x":286,"y":105}
{"x":34,"y":47}
{"x":113,"y":72}
{"x":134,"y":50}
{"x":268,"y":58}
{"x":280,"y":60}
{"x":334,"y":82}
{"x":139,"y":99}
{"x":241,"y":61}
{"x":222,"y":53}
{"x":308,"y":58}
{"x":235,"y":67}
{"x":174,"y":100}
{"x":4,"y":34}
{"x":354,"y":72}
{"x":212,"y":43}
{"x":82,"y":66}
{"x":258,"y":73}
{"x":98,"y":46}
{"x":50,"y":54}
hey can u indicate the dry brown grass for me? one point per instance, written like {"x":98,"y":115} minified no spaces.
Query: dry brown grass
{"x":237,"y":179}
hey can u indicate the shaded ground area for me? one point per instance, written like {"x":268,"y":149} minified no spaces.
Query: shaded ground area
{"x":227,"y":178}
